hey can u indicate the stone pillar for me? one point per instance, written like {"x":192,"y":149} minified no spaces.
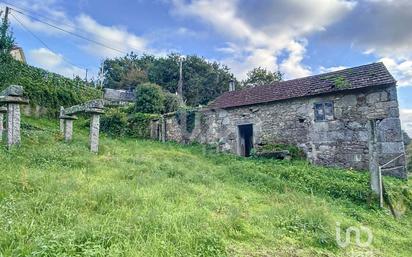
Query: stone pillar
{"x":68,"y":130}
{"x":163,"y":129}
{"x":61,"y":121}
{"x":3,"y":110}
{"x":12,"y":96}
{"x":13,"y":124}
{"x":94,"y":132}
{"x":67,"y":126}
{"x":374,"y":169}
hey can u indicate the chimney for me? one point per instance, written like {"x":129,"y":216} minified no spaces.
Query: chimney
{"x":232,"y":86}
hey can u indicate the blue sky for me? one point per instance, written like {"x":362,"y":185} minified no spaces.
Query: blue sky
{"x":299,"y":38}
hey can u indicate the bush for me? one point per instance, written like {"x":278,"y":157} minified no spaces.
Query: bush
{"x":294,"y":151}
{"x":139,"y":125}
{"x":172,"y":102}
{"x":117,"y":122}
{"x":114,"y":122}
{"x":149,"y":98}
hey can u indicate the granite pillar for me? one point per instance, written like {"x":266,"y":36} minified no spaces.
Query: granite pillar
{"x":94,"y":132}
{"x":3,"y":110}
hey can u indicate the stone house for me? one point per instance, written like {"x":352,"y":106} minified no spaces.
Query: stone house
{"x":339,"y":119}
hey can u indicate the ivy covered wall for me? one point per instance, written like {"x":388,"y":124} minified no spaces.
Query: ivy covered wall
{"x":43,"y":88}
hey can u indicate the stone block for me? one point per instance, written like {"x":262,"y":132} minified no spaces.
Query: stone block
{"x":391,"y":148}
{"x":13,"y":90}
{"x":389,"y":130}
{"x":372,"y":98}
{"x":392,"y":93}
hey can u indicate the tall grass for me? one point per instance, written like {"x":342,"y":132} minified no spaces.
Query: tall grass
{"x":145,"y":198}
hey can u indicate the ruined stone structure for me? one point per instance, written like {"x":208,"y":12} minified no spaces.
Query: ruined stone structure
{"x":118,"y":97}
{"x":12,"y":97}
{"x":340,"y":119}
{"x":67,"y":116}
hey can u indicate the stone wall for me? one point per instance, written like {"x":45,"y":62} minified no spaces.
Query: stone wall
{"x":342,"y":141}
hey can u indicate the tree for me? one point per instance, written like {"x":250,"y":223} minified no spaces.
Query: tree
{"x":149,"y":98}
{"x":171,"y":103}
{"x":203,"y":81}
{"x":132,"y":78}
{"x":260,"y":76}
{"x":6,"y":37}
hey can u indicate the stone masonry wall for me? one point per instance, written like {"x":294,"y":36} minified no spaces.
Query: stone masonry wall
{"x":343,"y":141}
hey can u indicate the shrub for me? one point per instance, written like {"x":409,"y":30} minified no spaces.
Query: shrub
{"x":149,"y":98}
{"x":172,"y":102}
{"x":114,"y":122}
{"x":294,"y":151}
{"x":139,"y":125}
{"x":117,"y":122}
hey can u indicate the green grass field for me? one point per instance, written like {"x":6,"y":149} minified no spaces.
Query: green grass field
{"x":144,"y":198}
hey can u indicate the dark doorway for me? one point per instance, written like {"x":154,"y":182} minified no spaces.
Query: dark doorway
{"x":245,"y":139}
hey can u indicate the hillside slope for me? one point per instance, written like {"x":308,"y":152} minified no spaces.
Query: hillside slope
{"x":144,"y":198}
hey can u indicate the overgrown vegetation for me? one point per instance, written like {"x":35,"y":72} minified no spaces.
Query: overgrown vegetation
{"x":295,"y":152}
{"x":341,"y":82}
{"x":43,"y":88}
{"x":144,"y":198}
{"x":119,"y":122}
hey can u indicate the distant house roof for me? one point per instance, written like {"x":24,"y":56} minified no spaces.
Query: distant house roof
{"x":18,"y":54}
{"x":119,"y":95}
{"x":374,"y":74}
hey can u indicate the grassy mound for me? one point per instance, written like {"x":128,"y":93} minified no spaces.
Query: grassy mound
{"x":144,"y":198}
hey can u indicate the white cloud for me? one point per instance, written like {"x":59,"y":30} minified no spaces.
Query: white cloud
{"x":406,"y":119}
{"x":380,"y":28}
{"x":54,"y":62}
{"x":259,"y":32}
{"x":41,"y":9}
{"x":400,"y":69}
{"x":331,"y":69}
{"x":113,"y":36}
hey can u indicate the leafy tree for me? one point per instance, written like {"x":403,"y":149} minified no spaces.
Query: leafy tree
{"x":6,"y":37}
{"x":171,"y":103}
{"x":149,"y":98}
{"x":203,"y":80}
{"x":260,"y":76}
{"x":132,"y":78}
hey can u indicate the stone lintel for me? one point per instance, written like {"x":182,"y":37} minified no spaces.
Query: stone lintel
{"x":94,"y":111}
{"x":13,"y":90}
{"x":68,"y":117}
{"x":13,"y":100}
{"x":98,"y":104}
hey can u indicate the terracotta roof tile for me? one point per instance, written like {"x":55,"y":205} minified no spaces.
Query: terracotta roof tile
{"x":374,"y":74}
